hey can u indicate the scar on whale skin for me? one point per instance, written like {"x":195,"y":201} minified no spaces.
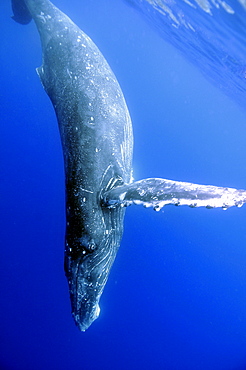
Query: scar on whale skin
{"x":97,"y":141}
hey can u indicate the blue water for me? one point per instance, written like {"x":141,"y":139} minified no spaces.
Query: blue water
{"x":209,"y":33}
{"x":176,"y":295}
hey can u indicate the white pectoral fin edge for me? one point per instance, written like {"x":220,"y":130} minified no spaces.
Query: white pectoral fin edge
{"x":158,"y":193}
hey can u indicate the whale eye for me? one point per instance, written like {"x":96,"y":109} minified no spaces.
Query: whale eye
{"x":87,"y":243}
{"x":92,"y":246}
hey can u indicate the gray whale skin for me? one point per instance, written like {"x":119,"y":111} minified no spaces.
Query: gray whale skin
{"x":96,"y":134}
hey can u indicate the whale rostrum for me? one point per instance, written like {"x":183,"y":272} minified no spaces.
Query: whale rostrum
{"x":97,"y":141}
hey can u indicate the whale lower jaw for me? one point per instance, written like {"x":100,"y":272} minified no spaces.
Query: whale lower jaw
{"x":85,"y":324}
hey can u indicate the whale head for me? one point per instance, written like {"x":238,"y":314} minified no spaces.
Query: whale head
{"x":89,"y":255}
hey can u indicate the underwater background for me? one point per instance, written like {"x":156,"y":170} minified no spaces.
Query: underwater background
{"x":176,"y":294}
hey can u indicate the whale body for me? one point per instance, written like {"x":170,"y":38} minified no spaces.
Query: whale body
{"x":97,"y":141}
{"x":96,"y":135}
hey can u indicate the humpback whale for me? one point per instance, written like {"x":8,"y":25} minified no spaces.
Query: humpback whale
{"x":96,"y":134}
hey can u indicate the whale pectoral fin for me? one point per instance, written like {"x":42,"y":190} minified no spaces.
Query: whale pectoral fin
{"x":157,"y":193}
